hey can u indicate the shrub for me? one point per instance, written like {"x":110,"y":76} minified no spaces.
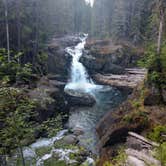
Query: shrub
{"x":156,"y":134}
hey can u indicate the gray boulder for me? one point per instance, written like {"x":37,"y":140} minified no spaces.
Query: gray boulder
{"x":70,"y":139}
{"x":77,"y":98}
{"x":78,"y":131}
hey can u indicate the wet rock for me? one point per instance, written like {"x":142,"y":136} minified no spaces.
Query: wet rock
{"x":112,"y":68}
{"x":78,"y":131}
{"x":77,"y":98}
{"x":57,"y":53}
{"x":91,"y":63}
{"x":70,"y":139}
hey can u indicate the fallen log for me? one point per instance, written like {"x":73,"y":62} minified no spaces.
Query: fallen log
{"x":143,"y":139}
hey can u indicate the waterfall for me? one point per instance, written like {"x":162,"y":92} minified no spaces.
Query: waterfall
{"x":79,"y":78}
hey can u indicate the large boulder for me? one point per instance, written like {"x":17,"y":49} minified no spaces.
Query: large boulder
{"x":78,"y":98}
{"x":77,"y":131}
{"x":70,"y":139}
{"x":49,"y":96}
{"x":104,"y":56}
{"x":92,"y":63}
{"x":113,"y":128}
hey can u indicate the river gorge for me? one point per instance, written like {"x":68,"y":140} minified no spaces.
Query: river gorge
{"x":86,"y":99}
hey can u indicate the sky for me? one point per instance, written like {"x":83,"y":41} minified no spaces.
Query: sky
{"x":90,"y":2}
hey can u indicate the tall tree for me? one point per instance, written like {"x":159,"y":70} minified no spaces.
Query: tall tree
{"x":18,"y":17}
{"x":161,"y":13}
{"x":7,"y":28}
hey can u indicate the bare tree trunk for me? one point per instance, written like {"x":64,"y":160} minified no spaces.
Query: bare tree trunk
{"x":7,"y":29}
{"x":160,"y":31}
{"x":159,"y":43}
{"x":36,"y":30}
{"x":18,"y":25}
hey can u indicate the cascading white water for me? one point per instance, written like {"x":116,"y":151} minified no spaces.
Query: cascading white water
{"x":80,"y":79}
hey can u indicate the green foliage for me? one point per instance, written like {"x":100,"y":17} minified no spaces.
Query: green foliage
{"x":52,"y":125}
{"x":53,"y":162}
{"x":24,"y":73}
{"x":13,"y":71}
{"x":161,"y":153}
{"x":150,"y":61}
{"x":62,"y":145}
{"x":15,"y":113}
{"x":156,"y":134}
{"x":42,"y":151}
{"x":136,"y":117}
{"x":41,"y":67}
{"x":150,"y":56}
{"x":138,"y":113}
{"x":107,"y":163}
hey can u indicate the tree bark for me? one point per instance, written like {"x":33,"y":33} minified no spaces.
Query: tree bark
{"x":36,"y":31}
{"x":18,"y":25}
{"x":159,"y":42}
{"x":7,"y":29}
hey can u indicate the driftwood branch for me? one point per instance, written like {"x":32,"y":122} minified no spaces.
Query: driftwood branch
{"x":141,"y":138}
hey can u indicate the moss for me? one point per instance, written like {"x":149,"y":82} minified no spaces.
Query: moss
{"x":160,"y":153}
{"x":138,"y":113}
{"x":157,"y":134}
{"x":54,"y":162}
{"x":42,"y":151}
{"x":62,"y":145}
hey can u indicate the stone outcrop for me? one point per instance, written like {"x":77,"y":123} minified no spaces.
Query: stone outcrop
{"x":70,"y":139}
{"x":131,"y":79}
{"x":49,"y":96}
{"x":139,"y":151}
{"x":113,"y":128}
{"x":58,"y":59}
{"x":104,"y":56}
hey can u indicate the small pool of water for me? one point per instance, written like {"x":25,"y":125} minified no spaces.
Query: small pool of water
{"x":87,"y":118}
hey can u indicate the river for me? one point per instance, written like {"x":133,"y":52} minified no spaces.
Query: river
{"x":106,"y":97}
